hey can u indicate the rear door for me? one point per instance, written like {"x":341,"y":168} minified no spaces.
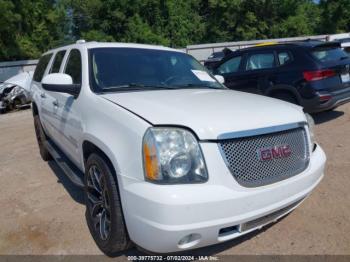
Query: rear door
{"x":42,"y":96}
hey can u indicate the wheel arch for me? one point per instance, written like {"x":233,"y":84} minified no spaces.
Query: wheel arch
{"x":92,"y":145}
{"x":284,"y":89}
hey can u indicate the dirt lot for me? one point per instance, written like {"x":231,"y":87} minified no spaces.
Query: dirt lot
{"x":43,"y":213}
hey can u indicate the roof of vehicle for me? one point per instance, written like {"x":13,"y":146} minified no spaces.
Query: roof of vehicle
{"x":94,"y":44}
{"x":266,"y":43}
{"x":302,"y":44}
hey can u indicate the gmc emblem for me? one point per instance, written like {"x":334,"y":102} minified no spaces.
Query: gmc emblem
{"x":269,"y":153}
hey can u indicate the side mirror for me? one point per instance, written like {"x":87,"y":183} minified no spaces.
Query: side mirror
{"x":220,"y":79}
{"x":61,"y":83}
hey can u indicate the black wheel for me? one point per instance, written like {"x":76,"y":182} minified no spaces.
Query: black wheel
{"x":104,"y":214}
{"x":41,"y":138}
{"x":286,"y":97}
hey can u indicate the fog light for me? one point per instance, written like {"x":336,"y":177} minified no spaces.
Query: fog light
{"x":189,"y":241}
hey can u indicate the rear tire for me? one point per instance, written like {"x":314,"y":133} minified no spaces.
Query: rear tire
{"x":285,"y":97}
{"x":41,"y":138}
{"x":104,"y":213}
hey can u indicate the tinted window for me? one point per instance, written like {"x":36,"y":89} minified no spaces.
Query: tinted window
{"x":41,"y":66}
{"x":230,"y":66}
{"x":260,"y":61}
{"x":73,"y":67}
{"x":326,"y":54}
{"x":113,"y":69}
{"x":57,"y":62}
{"x":284,"y":58}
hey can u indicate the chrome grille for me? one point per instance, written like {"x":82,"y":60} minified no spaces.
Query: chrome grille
{"x":242,"y":158}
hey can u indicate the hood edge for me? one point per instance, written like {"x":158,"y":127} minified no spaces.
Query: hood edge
{"x":144,"y":119}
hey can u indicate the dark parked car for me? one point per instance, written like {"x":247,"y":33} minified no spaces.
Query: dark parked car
{"x":313,"y":74}
{"x":216,"y":57}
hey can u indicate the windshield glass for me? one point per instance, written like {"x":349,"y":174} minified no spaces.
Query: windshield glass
{"x":113,"y":69}
{"x":326,"y":54}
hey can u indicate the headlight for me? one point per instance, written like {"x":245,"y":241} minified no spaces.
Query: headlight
{"x":311,"y":124}
{"x":172,"y":156}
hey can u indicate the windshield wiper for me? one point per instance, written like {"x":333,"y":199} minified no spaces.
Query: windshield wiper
{"x":198,"y":86}
{"x":135,"y":86}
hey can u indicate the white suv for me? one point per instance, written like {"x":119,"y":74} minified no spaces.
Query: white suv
{"x":169,"y":158}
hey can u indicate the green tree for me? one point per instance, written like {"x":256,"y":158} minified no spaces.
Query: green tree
{"x":335,"y":16}
{"x":29,"y":27}
{"x":171,"y":22}
{"x":8,"y":21}
{"x":234,"y":20}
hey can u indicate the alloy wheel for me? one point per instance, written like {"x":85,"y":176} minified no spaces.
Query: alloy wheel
{"x":98,"y":202}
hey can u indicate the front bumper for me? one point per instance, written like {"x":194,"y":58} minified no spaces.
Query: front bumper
{"x":158,"y":217}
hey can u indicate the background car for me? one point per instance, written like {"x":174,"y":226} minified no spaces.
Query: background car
{"x":216,"y":57}
{"x":312,"y":74}
{"x":15,"y":93}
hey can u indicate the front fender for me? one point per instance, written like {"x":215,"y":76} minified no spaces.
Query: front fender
{"x":118,"y":133}
{"x":101,"y":145}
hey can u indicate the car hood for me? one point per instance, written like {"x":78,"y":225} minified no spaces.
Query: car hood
{"x":22,"y":79}
{"x":209,"y":113}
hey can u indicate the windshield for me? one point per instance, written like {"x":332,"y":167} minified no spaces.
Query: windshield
{"x":326,"y":54}
{"x":115,"y":69}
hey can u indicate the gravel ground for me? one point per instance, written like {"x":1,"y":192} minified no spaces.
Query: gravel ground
{"x":43,"y":213}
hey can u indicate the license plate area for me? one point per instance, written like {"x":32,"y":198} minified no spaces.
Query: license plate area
{"x":269,"y":218}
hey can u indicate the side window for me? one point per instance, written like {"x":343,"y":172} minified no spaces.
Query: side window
{"x":40,"y":67}
{"x":260,"y":61}
{"x":55,"y":68}
{"x":230,"y":66}
{"x":73,"y":66}
{"x":284,"y":57}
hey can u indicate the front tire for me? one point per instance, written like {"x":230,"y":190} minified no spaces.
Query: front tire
{"x":104,"y":214}
{"x":41,"y":139}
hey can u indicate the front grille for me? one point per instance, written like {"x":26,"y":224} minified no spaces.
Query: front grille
{"x":242,"y":157}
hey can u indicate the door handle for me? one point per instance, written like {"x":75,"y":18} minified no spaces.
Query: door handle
{"x":55,"y":103}
{"x":42,"y":95}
